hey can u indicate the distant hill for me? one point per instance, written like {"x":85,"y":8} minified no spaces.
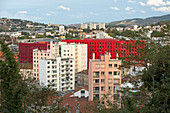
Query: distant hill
{"x":17,"y":24}
{"x":139,"y":21}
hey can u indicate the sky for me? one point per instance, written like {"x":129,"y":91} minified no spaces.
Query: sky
{"x":80,"y":11}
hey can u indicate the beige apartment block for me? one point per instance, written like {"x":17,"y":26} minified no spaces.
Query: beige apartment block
{"x":76,"y":51}
{"x":104,"y":78}
{"x":37,"y":55}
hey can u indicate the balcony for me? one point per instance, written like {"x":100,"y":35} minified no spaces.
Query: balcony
{"x":95,"y":91}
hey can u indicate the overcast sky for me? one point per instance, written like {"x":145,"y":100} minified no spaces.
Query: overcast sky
{"x":79,"y":11}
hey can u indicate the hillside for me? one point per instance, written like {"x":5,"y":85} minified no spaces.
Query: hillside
{"x":139,"y":21}
{"x":18,"y":24}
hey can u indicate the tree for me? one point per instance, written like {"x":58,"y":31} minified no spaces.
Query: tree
{"x":11,"y":98}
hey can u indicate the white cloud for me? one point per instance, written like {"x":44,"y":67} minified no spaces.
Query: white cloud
{"x":114,"y":0}
{"x":48,"y":14}
{"x":162,"y":9}
{"x":114,"y":8}
{"x":64,"y":8}
{"x":128,"y":8}
{"x":131,"y":1}
{"x":142,"y":11}
{"x":22,"y":12}
{"x":142,"y":4}
{"x":155,"y":3}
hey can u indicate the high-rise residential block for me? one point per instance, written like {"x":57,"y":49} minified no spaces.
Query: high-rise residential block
{"x":104,"y":78}
{"x":57,"y":73}
{"x":83,"y":26}
{"x":77,"y":52}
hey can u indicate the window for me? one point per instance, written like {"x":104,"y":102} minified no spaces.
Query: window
{"x":48,"y":80}
{"x":102,"y":65}
{"x":115,"y":65}
{"x":97,"y":66}
{"x":102,"y":103}
{"x":102,"y":88}
{"x":48,"y":76}
{"x":48,"y":62}
{"x":110,"y":81}
{"x":116,"y":96}
{"x":54,"y":71}
{"x":102,"y":80}
{"x":48,"y":71}
{"x":82,"y":91}
{"x":52,"y":62}
{"x":110,"y":73}
{"x":110,"y":65}
{"x":116,"y":88}
{"x":96,"y":81}
{"x":110,"y":88}
{"x":102,"y":73}
{"x":115,"y":73}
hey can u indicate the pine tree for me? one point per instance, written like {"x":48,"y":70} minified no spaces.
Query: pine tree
{"x":11,"y":98}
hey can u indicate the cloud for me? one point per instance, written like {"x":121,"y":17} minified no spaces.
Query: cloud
{"x":22,"y":12}
{"x":114,"y":0}
{"x":7,"y":14}
{"x":142,"y":11}
{"x":48,"y":14}
{"x":142,"y":4}
{"x":64,"y":8}
{"x":128,"y":8}
{"x":131,"y":1}
{"x":155,"y":3}
{"x":162,"y":9}
{"x":114,"y":8}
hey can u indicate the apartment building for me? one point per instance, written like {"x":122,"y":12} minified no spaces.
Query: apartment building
{"x":37,"y":55}
{"x":26,"y":50}
{"x":113,"y":46}
{"x":84,"y":26}
{"x":57,"y":73}
{"x":104,"y":78}
{"x":77,"y":52}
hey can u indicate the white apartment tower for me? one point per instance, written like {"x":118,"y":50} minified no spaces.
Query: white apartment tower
{"x":101,"y":25}
{"x":58,"y":73}
{"x":76,"y":51}
{"x":92,"y":26}
{"x":83,"y":26}
{"x":61,"y":29}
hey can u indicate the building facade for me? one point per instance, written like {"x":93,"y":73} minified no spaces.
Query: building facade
{"x":77,"y":52}
{"x":26,"y":50}
{"x":113,"y":46}
{"x":57,"y":73}
{"x":104,"y":78}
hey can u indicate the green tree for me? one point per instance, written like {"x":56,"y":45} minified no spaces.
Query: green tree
{"x":11,"y":98}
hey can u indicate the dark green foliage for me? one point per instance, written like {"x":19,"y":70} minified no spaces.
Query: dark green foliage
{"x":11,"y":98}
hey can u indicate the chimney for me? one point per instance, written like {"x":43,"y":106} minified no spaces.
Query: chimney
{"x":93,"y":56}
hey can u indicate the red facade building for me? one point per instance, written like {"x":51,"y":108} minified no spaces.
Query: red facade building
{"x":26,"y":50}
{"x":113,"y":46}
